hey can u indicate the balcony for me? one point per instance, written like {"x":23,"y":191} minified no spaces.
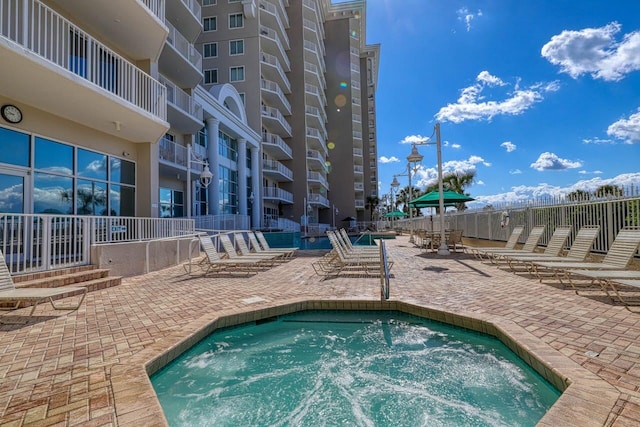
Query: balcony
{"x":278,"y":194}
{"x":52,"y":65}
{"x":359,"y":203}
{"x":135,"y":28}
{"x":180,"y":61}
{"x":312,"y":72}
{"x":317,"y":180}
{"x":358,"y":169}
{"x":271,"y":43}
{"x":270,"y":17}
{"x":276,"y":147}
{"x":173,"y":158}
{"x":317,"y":117}
{"x":357,"y":152}
{"x":316,"y":160}
{"x":273,"y":95}
{"x":316,"y":141}
{"x":272,"y":70}
{"x":276,"y":170}
{"x":318,"y":200}
{"x":313,"y":55}
{"x":183,"y":112}
{"x":186,"y":15}
{"x":358,"y":186}
{"x":274,"y":120}
{"x":314,"y":95}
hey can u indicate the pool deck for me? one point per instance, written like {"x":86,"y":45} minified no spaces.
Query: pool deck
{"x":86,"y":367}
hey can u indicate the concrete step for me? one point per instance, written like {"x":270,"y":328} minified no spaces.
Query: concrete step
{"x":68,"y":279}
{"x":19,"y":278}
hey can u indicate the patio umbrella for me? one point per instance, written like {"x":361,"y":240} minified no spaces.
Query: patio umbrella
{"x":349,"y":218}
{"x":395,"y":214}
{"x":432,"y":199}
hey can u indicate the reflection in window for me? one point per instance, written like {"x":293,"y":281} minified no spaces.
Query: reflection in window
{"x":52,"y":194}
{"x":53,"y":156}
{"x":91,"y":198}
{"x":11,"y":194}
{"x":171,"y":203}
{"x":92,"y":164}
{"x":122,"y":200}
{"x":14,"y":147}
{"x":228,"y":190}
{"x":123,"y":171}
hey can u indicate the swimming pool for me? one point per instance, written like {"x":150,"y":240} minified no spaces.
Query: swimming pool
{"x":351,"y":368}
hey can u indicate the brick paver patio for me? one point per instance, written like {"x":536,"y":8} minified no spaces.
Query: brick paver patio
{"x":58,"y":368}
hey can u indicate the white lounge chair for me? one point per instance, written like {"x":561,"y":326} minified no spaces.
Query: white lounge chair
{"x":10,"y":294}
{"x":511,"y":243}
{"x":212,"y":263}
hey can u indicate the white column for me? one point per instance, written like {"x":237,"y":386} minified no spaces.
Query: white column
{"x":257,"y":189}
{"x":242,"y":176}
{"x":213,"y":126}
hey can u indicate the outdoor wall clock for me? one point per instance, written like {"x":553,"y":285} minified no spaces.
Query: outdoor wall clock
{"x":11,"y":113}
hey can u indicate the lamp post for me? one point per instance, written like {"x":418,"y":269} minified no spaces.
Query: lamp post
{"x":335,"y":212}
{"x":251,"y":200}
{"x":205,"y":175}
{"x":414,"y":157}
{"x":394,"y":188}
{"x":443,"y":249}
{"x":307,"y":210}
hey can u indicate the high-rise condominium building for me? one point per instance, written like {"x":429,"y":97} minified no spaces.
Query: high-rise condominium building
{"x":307,"y":79}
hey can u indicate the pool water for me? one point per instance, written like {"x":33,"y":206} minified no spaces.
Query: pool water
{"x":351,"y":369}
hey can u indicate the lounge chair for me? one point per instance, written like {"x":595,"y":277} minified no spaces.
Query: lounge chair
{"x":343,"y":237}
{"x":339,"y":261}
{"x":286,"y":253}
{"x":231,"y":252}
{"x":614,"y":285}
{"x":244,"y":250}
{"x":578,"y":251}
{"x":619,"y":256}
{"x":265,"y":244}
{"x":10,"y":294}
{"x":530,"y":245}
{"x":511,"y":243}
{"x":212,"y":263}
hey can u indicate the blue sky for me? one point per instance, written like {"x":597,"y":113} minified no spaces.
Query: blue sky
{"x":539,"y":97}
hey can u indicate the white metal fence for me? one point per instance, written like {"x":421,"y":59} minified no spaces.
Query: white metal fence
{"x":611,"y":213}
{"x":32,"y":242}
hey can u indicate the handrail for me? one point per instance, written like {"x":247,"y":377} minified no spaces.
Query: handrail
{"x":384,"y":272}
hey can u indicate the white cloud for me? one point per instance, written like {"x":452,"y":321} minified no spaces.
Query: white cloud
{"x":427,"y":175}
{"x":524,"y":193}
{"x":456,"y":146}
{"x":596,"y":140}
{"x":384,"y":159}
{"x":471,"y":104}
{"x":627,"y":130}
{"x":467,"y":17}
{"x":550,"y":161}
{"x":480,"y":182}
{"x":595,"y":51}
{"x":509,"y":146}
{"x":585,"y":172}
{"x":414,"y":139}
{"x":515,"y":172}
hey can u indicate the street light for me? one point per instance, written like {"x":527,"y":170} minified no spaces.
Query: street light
{"x":416,"y":157}
{"x":205,"y":175}
{"x":251,"y":200}
{"x":335,"y":212}
{"x":394,"y":188}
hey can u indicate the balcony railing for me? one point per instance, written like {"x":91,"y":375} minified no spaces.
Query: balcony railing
{"x":273,"y":87}
{"x":182,"y":100}
{"x":277,"y":193}
{"x":273,"y":139}
{"x":194,"y":7}
{"x":272,"y":10}
{"x":318,"y":199}
{"x":273,"y":61}
{"x":276,"y":166}
{"x":44,"y":32}
{"x":271,"y":34}
{"x":276,"y":114}
{"x":318,"y":177}
{"x":182,"y":45}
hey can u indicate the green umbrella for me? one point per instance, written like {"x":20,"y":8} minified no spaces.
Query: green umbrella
{"x":395,"y":214}
{"x":432,"y":199}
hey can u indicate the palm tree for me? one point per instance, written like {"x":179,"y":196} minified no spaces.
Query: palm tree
{"x":455,"y":181}
{"x":608,"y":190}
{"x":371,"y":203}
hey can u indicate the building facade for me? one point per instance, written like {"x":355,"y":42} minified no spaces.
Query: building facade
{"x":113,"y":107}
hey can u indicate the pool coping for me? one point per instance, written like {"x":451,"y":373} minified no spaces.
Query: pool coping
{"x":586,"y":399}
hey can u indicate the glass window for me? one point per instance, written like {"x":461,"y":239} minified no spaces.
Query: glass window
{"x":210,"y":23}
{"x":12,"y":190}
{"x":227,"y":146}
{"x":210,"y":50}
{"x":228,"y":190}
{"x":52,"y":194}
{"x":242,"y":98}
{"x":92,"y":164}
{"x":235,"y":20}
{"x":236,"y":47}
{"x":209,"y":2}
{"x":171,"y":203}
{"x":53,"y":156}
{"x":91,"y":198}
{"x":236,"y":74}
{"x":211,"y":76}
{"x":123,"y":171}
{"x":122,"y":200}
{"x":14,"y":147}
